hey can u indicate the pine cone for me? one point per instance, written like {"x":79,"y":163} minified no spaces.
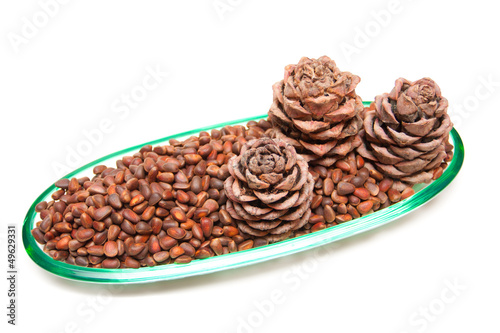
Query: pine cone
{"x":407,"y":133}
{"x":316,"y":109}
{"x":269,"y":190}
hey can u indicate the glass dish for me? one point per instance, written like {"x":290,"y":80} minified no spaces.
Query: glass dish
{"x":424,"y":193}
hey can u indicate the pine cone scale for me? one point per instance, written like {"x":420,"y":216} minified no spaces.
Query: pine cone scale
{"x":385,"y":156}
{"x":269,"y":198}
{"x":421,"y":127}
{"x":407,"y":110}
{"x":263,"y":226}
{"x":401,"y":138}
{"x":294,"y":109}
{"x":302,"y":208}
{"x":319,"y":149}
{"x":287,"y":183}
{"x":406,"y":153}
{"x":254,"y":210}
{"x":384,"y":110}
{"x":304,"y":175}
{"x":347,"y":111}
{"x":331,"y":133}
{"x":287,"y":203}
{"x":310,"y":126}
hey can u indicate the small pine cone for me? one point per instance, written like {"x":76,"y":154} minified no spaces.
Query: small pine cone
{"x":316,"y":109}
{"x":269,"y":190}
{"x":406,"y":135}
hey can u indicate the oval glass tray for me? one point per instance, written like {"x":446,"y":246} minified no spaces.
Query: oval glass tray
{"x":424,"y":193}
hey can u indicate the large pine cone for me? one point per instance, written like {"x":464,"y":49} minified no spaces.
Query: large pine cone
{"x":316,"y":109}
{"x":407,"y":133}
{"x":269,"y":190}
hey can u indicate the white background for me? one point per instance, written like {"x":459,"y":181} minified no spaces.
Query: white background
{"x":67,"y":73}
